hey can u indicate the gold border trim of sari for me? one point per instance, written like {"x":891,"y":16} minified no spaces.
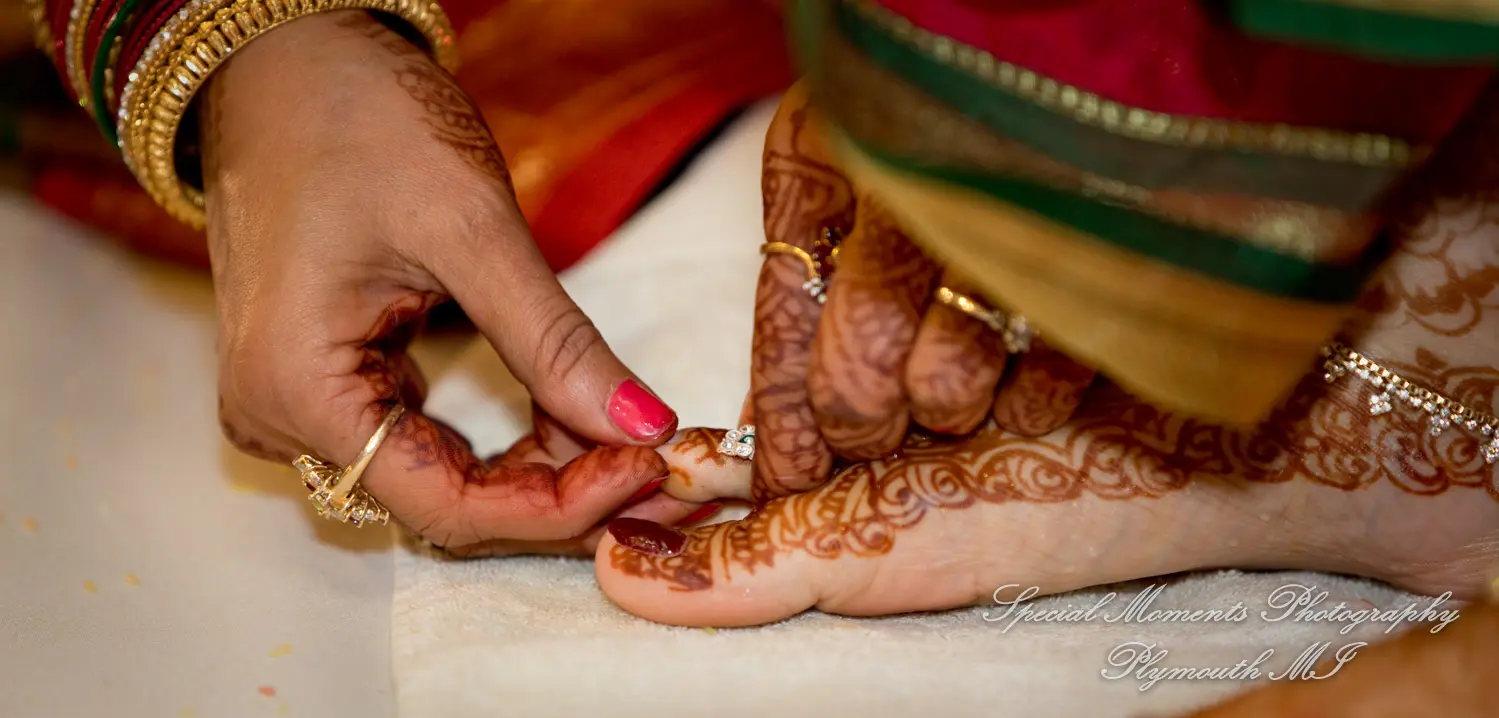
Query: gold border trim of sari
{"x":879,"y":108}
{"x":1086,"y":108}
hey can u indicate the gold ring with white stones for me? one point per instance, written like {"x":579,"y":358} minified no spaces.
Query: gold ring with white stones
{"x":336,"y":492}
{"x":1012,"y":328}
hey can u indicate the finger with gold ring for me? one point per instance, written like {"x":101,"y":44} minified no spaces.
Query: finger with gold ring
{"x":1012,"y":328}
{"x":819,"y":261}
{"x":336,"y":492}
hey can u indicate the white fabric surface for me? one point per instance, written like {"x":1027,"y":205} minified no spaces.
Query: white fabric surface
{"x":203,"y":562}
{"x":534,"y":637}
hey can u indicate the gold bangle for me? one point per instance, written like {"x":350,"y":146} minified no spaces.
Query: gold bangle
{"x":153,"y":113}
{"x":72,"y":47}
{"x":142,"y":77}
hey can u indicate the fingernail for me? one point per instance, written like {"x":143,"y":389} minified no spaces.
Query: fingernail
{"x":646,"y":490}
{"x":639,"y":413}
{"x":704,"y":512}
{"x":647,"y":536}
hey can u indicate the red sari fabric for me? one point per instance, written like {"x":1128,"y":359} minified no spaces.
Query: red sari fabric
{"x":1177,"y":56}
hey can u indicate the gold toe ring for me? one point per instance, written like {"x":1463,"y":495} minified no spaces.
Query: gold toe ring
{"x":739,"y":442}
{"x":1014,"y":330}
{"x":336,"y":492}
{"x":819,"y":261}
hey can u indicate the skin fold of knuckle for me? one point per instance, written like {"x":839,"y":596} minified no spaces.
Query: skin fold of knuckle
{"x":568,"y":339}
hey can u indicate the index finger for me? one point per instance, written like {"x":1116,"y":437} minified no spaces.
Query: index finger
{"x":430,"y":479}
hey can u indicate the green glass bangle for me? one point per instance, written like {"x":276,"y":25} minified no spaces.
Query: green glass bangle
{"x":101,"y":67}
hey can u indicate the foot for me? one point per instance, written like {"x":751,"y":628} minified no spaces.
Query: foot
{"x":1122,"y":492}
{"x":1126,"y":491}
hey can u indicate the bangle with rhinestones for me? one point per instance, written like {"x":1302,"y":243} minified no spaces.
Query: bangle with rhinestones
{"x":1393,"y":391}
{"x":153,"y":112}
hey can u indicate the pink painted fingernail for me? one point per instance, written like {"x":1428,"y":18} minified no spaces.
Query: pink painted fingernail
{"x":639,"y":413}
{"x":647,"y":536}
{"x":646,"y":490}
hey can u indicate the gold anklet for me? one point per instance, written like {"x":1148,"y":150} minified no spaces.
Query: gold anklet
{"x":1441,"y":412}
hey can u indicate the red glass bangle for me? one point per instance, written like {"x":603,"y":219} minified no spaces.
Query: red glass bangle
{"x":138,"y":36}
{"x":58,"y":12}
{"x":94,"y":31}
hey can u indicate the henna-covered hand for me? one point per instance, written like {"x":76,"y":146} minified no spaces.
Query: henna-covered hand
{"x":552,"y":491}
{"x":342,"y":208}
{"x":850,"y":377}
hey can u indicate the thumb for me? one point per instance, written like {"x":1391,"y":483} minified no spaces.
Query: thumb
{"x":552,"y":347}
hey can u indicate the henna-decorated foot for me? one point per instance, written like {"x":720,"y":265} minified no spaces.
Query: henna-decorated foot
{"x":1124,"y":492}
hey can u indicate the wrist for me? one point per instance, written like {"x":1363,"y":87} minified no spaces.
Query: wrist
{"x":161,"y":89}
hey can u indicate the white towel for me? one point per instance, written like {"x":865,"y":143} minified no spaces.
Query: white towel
{"x":673,"y":293}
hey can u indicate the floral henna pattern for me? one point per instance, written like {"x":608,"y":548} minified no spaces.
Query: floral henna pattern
{"x":953,"y":371}
{"x":384,"y":365}
{"x":1043,"y":390}
{"x":452,"y":116}
{"x":1453,"y":291}
{"x":855,"y":379}
{"x":454,"y":119}
{"x":1446,"y":281}
{"x":1115,"y":448}
{"x":701,"y":446}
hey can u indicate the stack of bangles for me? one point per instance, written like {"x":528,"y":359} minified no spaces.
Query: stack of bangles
{"x":136,"y":65}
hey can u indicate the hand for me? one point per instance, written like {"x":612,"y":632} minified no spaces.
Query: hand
{"x":351,"y":187}
{"x":849,"y":378}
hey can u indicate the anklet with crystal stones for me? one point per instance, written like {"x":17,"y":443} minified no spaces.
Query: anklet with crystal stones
{"x":1394,"y":391}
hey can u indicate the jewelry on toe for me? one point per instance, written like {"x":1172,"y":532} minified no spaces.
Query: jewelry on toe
{"x":337,"y":492}
{"x":820,"y":261}
{"x":739,"y":442}
{"x":1441,"y":412}
{"x":1012,"y":328}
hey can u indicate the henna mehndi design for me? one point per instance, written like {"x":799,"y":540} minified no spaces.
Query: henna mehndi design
{"x":1115,"y":448}
{"x":856,"y":377}
{"x":1044,"y":387}
{"x":802,"y":195}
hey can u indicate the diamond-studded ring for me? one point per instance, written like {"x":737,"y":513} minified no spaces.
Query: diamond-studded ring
{"x":819,"y":261}
{"x":1013,"y":329}
{"x":739,"y":442}
{"x":336,"y":492}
